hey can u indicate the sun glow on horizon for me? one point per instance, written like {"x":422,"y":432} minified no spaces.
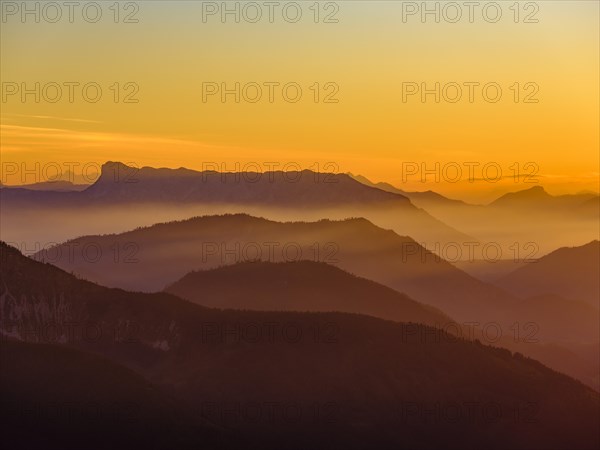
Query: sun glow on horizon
{"x":153,"y":113}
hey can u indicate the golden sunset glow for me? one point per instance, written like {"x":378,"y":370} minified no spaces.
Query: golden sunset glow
{"x":300,"y":225}
{"x":368,"y":54}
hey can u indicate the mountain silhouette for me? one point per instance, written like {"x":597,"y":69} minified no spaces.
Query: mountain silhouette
{"x":375,"y":379}
{"x":524,"y":224}
{"x":422,"y":199}
{"x":291,"y":195}
{"x":571,"y":272}
{"x":314,"y":286}
{"x":536,"y":193}
{"x":119,"y":182}
{"x":300,"y":286}
{"x":152,"y":257}
{"x":149,"y":259}
{"x":537,"y":197}
{"x":58,"y":186}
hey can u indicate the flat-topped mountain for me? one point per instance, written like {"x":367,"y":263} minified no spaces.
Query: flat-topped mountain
{"x":180,"y":193}
{"x":119,"y":182}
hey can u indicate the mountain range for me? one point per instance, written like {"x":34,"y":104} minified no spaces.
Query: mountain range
{"x":151,"y":257}
{"x":300,"y":286}
{"x":525,"y":224}
{"x":57,"y":185}
{"x":571,"y":272}
{"x":359,"y":381}
{"x":294,"y":195}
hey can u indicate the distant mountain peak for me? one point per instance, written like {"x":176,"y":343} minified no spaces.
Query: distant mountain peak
{"x":121,"y":182}
{"x":112,"y":165}
{"x":536,"y":189}
{"x":534,"y":193}
{"x":113,"y":171}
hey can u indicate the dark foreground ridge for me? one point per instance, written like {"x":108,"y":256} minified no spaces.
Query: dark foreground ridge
{"x":346,"y":381}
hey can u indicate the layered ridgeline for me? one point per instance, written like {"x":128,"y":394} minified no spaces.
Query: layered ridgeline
{"x":170,"y":194}
{"x":300,"y":286}
{"x":147,"y":259}
{"x":343,"y":380}
{"x":571,"y":272}
{"x":57,"y":185}
{"x":561,"y":333}
{"x":314,"y":286}
{"x":538,"y":198}
{"x":527,"y":223}
{"x":423,"y":199}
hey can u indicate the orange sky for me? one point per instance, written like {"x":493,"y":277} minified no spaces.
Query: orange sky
{"x":365,"y":57}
